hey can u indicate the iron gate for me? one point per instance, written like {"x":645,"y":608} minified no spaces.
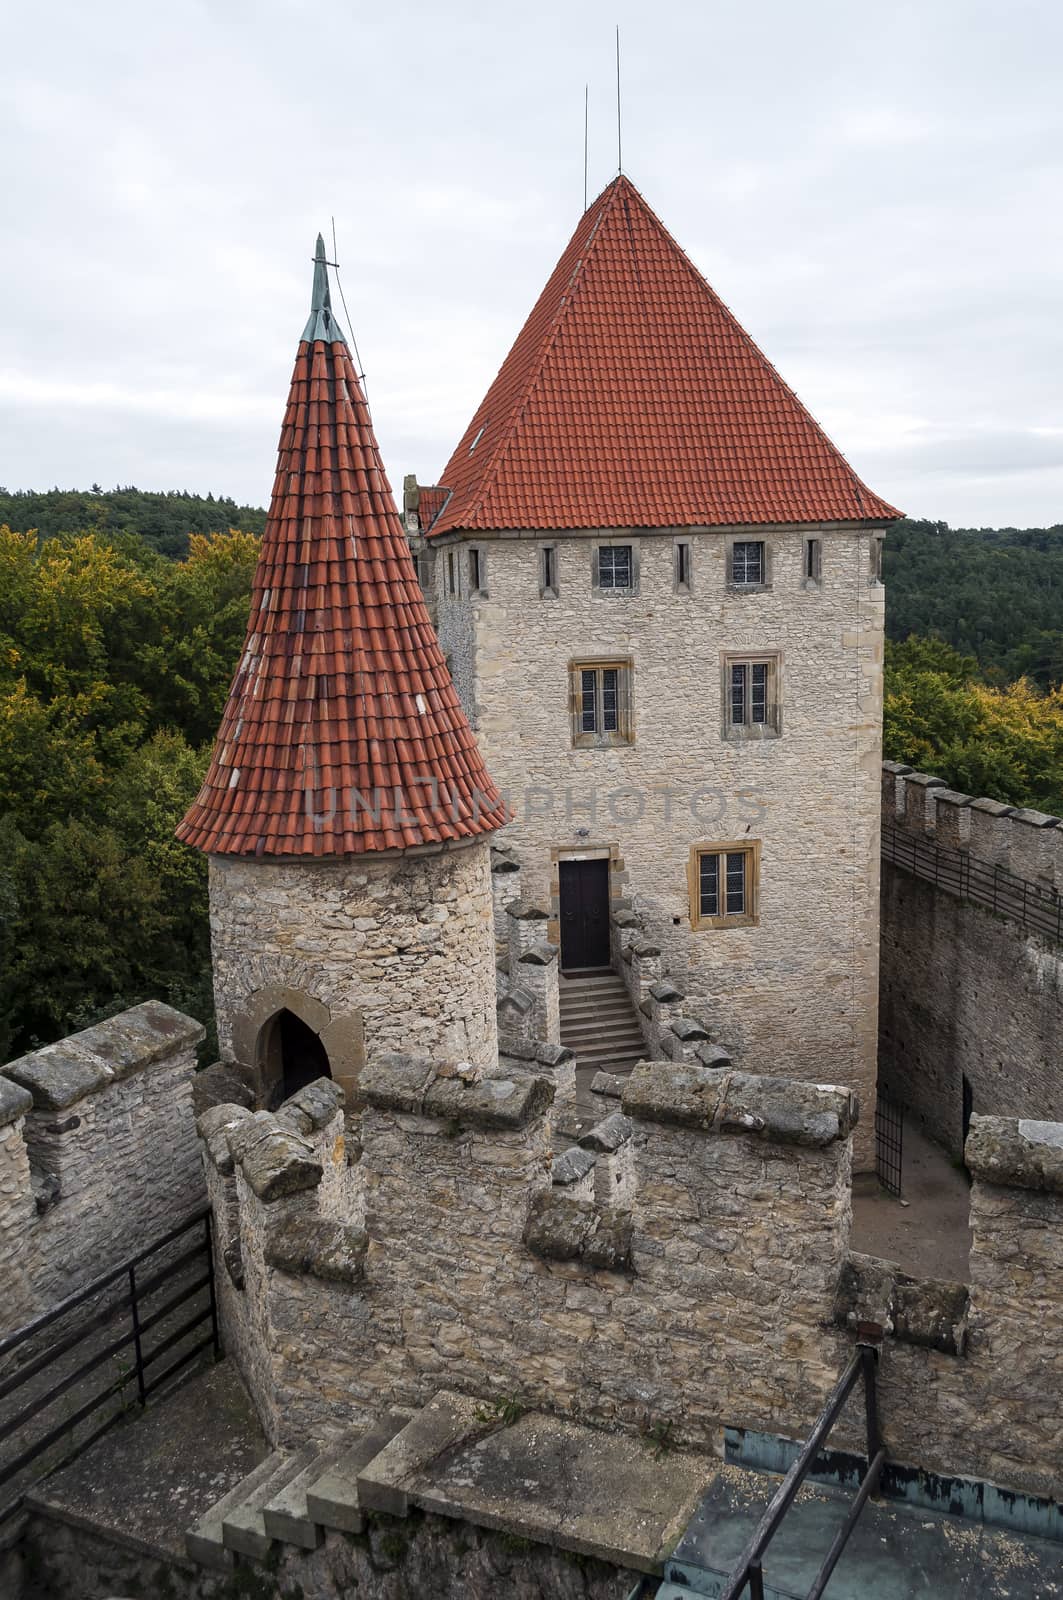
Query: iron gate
{"x":889,"y":1142}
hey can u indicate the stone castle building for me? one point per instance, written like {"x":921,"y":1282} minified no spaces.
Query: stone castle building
{"x":657,"y":584}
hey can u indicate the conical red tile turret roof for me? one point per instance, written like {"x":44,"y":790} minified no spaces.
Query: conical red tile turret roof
{"x":343,"y":732}
{"x":633,"y":398}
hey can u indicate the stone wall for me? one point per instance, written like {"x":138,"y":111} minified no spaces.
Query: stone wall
{"x":376,"y":953}
{"x":967,"y":992}
{"x":98,"y":1153}
{"x":719,"y":1292}
{"x":799,"y":988}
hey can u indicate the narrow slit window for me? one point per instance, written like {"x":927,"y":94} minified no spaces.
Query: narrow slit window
{"x":813,"y":560}
{"x":452,"y":575}
{"x":476,"y":570}
{"x":682,"y":564}
{"x":549,"y":569}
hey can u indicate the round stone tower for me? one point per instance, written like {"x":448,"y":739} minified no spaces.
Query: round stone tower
{"x":346,"y":811}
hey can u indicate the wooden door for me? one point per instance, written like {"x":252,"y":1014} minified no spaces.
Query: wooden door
{"x":584,"y":892}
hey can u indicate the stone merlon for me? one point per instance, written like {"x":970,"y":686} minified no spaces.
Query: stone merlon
{"x":15,"y":1101}
{"x":214,"y":1126}
{"x":1016,"y":1153}
{"x":722,"y":1102}
{"x":275,"y":1161}
{"x":401,"y":1083}
{"x":61,"y":1074}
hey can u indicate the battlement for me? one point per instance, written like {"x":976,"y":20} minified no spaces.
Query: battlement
{"x":690,"y":1263}
{"x":97,"y":1152}
{"x":1027,"y":843}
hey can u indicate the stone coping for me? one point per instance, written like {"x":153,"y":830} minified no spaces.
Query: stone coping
{"x":411,"y":1084}
{"x":317,"y":1247}
{"x":15,"y":1101}
{"x":58,"y":1075}
{"x":927,"y":1312}
{"x":719,"y":1101}
{"x":274,"y":1160}
{"x":1016,"y":1152}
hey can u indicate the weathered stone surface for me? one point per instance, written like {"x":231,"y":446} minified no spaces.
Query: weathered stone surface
{"x":318,"y":1247}
{"x":931,"y":1314}
{"x":274,"y":1161}
{"x":571,"y":1166}
{"x":133,"y":1039}
{"x":865,"y":1292}
{"x":15,"y":1101}
{"x":222,"y":1083}
{"x":665,"y":993}
{"x":689,"y":1031}
{"x":712,"y":1055}
{"x":539,"y":954}
{"x":610,"y":1084}
{"x":779,"y":1109}
{"x":516,"y":999}
{"x":1020,"y":1152}
{"x":213,"y":1127}
{"x":562,"y":1229}
{"x":395,"y":1082}
{"x":384,"y":1482}
{"x":495,"y":1103}
{"x":609,"y":1134}
{"x":313,"y":1106}
{"x":525,"y":911}
{"x":59,"y":1075}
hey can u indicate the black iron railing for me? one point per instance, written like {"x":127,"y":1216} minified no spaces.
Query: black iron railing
{"x":1036,"y":908}
{"x":889,"y":1141}
{"x":750,"y":1571}
{"x":132,"y":1321}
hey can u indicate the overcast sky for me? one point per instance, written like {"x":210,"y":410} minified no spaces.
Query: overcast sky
{"x":875,"y":190}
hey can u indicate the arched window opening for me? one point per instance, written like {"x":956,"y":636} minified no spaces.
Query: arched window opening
{"x":293,"y":1056}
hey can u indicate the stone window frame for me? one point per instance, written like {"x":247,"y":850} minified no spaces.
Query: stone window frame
{"x":813,"y":561}
{"x":452,"y":578}
{"x":767,"y":562}
{"x":624,"y":733}
{"x":549,"y":576}
{"x":750,"y":916}
{"x":875,"y":549}
{"x":476,"y":566}
{"x":772,"y":728}
{"x":682,"y":565}
{"x":615,"y":544}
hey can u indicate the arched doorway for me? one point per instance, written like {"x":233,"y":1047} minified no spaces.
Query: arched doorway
{"x":292,"y":1056}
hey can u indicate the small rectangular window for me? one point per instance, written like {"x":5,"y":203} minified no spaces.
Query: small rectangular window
{"x":615,"y":566}
{"x":602,"y":703}
{"x":548,"y":569}
{"x":751,"y":698}
{"x":452,"y":573}
{"x":682,"y":564}
{"x":723,"y":884}
{"x":876,"y":559}
{"x":475,"y":570}
{"x":813,"y":560}
{"x":748,"y":568}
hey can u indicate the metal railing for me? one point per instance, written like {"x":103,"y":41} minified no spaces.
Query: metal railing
{"x":36,"y":1374}
{"x":1036,"y":908}
{"x":750,"y":1571}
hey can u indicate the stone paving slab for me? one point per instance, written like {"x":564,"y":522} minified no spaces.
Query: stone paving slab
{"x":146,"y":1483}
{"x":598,"y":1494}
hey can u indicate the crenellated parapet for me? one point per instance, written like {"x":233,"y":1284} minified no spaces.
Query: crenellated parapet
{"x":1024,"y":842}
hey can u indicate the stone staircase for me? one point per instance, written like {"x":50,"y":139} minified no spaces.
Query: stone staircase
{"x":294,"y":1496}
{"x":600,"y":1024}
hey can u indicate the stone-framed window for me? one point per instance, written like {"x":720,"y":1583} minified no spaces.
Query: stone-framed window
{"x":748,"y":565}
{"x":602,"y":703}
{"x":813,"y":563}
{"x":724,"y":883}
{"x":877,"y":542}
{"x":549,"y":585}
{"x":453,"y":577}
{"x":615,"y":568}
{"x":751,"y":695}
{"x":682,"y":555}
{"x":477,"y":559}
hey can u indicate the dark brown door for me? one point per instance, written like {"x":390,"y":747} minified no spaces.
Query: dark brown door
{"x":584,"y":887}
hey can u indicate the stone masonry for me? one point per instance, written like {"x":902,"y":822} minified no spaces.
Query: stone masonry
{"x":798,"y":989}
{"x":966,"y":992}
{"x":378,"y":952}
{"x":720,"y":1291}
{"x":98,"y":1153}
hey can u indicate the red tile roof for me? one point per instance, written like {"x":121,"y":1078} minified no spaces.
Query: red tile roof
{"x":432,"y":500}
{"x":632,"y":398}
{"x":343,"y":732}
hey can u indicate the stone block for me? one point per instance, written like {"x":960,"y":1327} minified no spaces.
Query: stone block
{"x":15,"y":1101}
{"x":1016,"y":1153}
{"x":609,"y":1134}
{"x":274,"y":1161}
{"x":317,"y":1247}
{"x":313,"y":1107}
{"x":214,"y":1126}
{"x":59,"y":1075}
{"x":560,"y":1228}
{"x":781,"y":1109}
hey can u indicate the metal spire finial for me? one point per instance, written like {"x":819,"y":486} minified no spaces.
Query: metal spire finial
{"x":322,"y":323}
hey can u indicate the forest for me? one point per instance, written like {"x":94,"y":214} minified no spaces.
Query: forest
{"x":122,"y":615}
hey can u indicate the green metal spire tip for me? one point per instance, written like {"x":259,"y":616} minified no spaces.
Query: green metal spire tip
{"x":322,"y":323}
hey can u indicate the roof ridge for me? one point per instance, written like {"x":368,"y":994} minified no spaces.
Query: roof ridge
{"x":508,"y":433}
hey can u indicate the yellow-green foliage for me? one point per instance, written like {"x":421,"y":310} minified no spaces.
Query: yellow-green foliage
{"x":1003,"y":742}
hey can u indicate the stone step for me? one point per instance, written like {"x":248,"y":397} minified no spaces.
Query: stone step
{"x":287,"y":1516}
{"x":587,"y":988}
{"x":595,"y":1055}
{"x":205,"y":1544}
{"x":600,"y":1027}
{"x":587,"y":1012}
{"x":332,"y":1499}
{"x":243,"y":1528}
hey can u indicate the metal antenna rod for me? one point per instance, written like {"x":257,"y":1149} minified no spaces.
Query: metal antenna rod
{"x":586,"y":113}
{"x":619,"y":146}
